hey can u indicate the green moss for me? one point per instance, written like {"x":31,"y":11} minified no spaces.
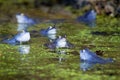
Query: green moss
{"x":41,"y":64}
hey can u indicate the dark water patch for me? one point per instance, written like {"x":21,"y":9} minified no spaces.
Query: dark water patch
{"x":20,"y":77}
{"x":111,"y":73}
{"x":52,"y":51}
{"x":2,"y":21}
{"x":87,"y":46}
{"x":61,"y":20}
{"x":103,"y":33}
{"x":5,"y":36}
{"x":104,"y":46}
{"x":34,"y":33}
{"x":99,"y":52}
{"x":57,"y":21}
{"x":74,"y":53}
{"x":109,"y":46}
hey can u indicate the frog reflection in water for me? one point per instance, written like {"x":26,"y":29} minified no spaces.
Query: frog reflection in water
{"x":24,"y":49}
{"x":84,"y":65}
{"x":24,"y":21}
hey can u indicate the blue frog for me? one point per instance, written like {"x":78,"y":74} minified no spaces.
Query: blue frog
{"x":18,"y":38}
{"x":88,"y":18}
{"x":87,"y":55}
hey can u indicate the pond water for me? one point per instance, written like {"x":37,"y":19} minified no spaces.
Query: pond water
{"x":33,"y":61}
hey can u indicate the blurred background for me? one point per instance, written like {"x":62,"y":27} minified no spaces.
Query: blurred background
{"x":57,"y":8}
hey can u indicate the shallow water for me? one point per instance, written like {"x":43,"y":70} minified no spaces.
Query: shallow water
{"x":41,"y":63}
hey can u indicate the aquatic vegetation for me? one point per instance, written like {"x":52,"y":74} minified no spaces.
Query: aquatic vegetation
{"x":7,"y":29}
{"x":43,"y":64}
